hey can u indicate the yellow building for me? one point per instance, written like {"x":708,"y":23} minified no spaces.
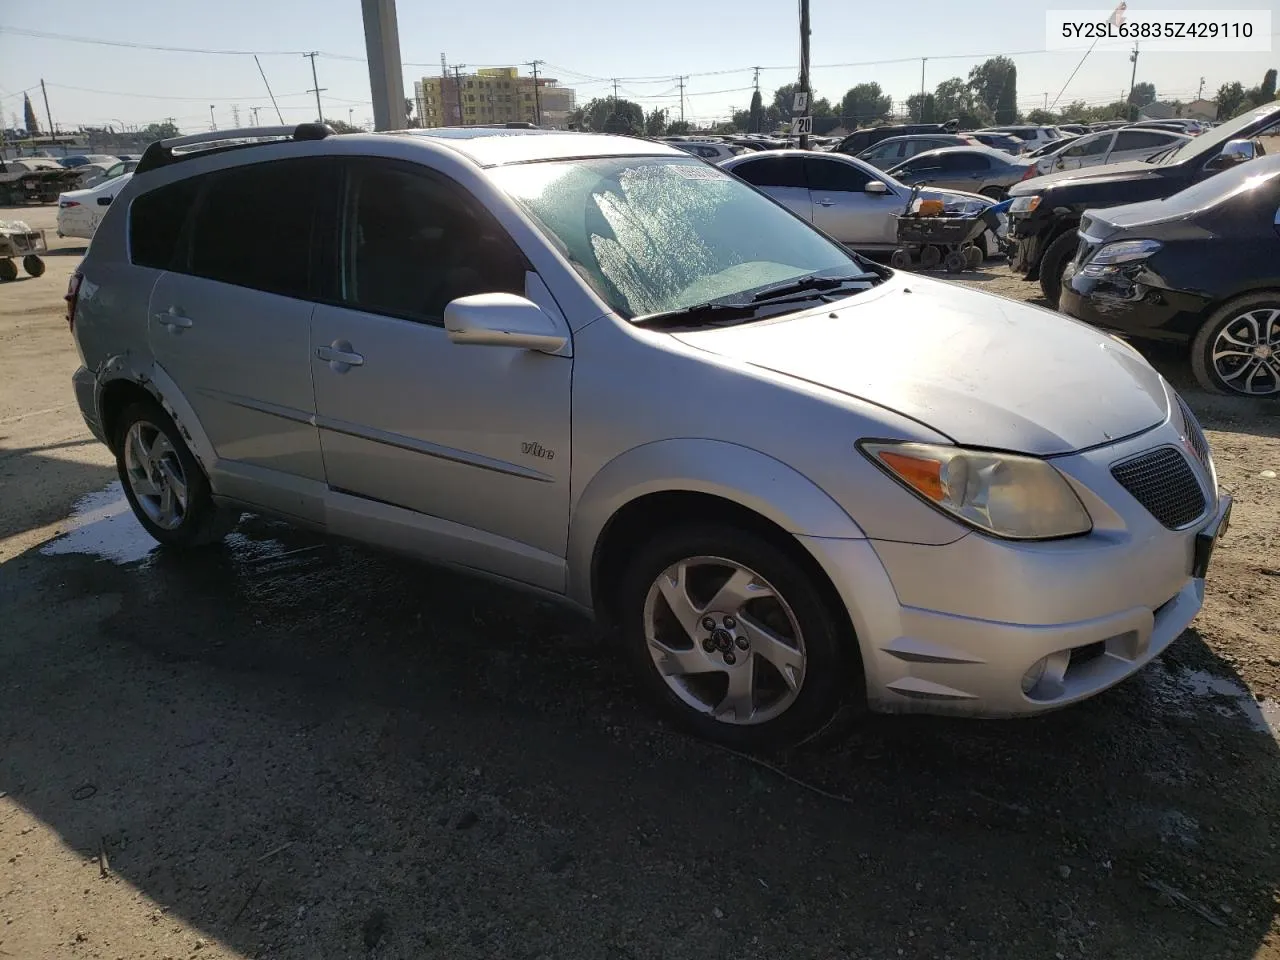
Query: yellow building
{"x":491,"y":95}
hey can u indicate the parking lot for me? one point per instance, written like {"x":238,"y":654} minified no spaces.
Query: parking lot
{"x":293,"y":748}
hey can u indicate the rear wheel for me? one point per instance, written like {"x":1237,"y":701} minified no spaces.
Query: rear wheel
{"x":901,"y":260}
{"x":8,"y":271}
{"x":1054,"y":261}
{"x":955,"y":261}
{"x":974,"y":257}
{"x":33,"y":265}
{"x":164,"y":483}
{"x":930,"y":257}
{"x":1238,"y":348}
{"x":734,"y":639}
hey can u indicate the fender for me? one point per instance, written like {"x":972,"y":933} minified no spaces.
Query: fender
{"x":736,"y":473}
{"x":157,"y":382}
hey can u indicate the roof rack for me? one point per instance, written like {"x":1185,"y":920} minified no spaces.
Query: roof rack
{"x":161,"y":153}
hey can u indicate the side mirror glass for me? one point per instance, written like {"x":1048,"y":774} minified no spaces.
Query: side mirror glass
{"x":501,"y":320}
{"x":1234,"y":152}
{"x":876,"y":186}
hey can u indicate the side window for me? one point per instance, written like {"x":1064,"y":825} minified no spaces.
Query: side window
{"x":414,"y":241}
{"x":1095,"y":146}
{"x":156,"y":219}
{"x":707,"y":153}
{"x":1140,"y":140}
{"x":834,"y":176}
{"x":963,"y":162}
{"x":773,"y":172}
{"x":257,"y":225}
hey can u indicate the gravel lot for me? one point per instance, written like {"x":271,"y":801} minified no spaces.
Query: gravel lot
{"x":292,"y":748}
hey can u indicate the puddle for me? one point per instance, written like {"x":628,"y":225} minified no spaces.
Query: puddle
{"x":1187,"y":692}
{"x":102,"y":525}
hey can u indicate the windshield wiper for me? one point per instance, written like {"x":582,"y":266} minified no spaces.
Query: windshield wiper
{"x":812,"y":281}
{"x":718,"y":312}
{"x":711,"y":313}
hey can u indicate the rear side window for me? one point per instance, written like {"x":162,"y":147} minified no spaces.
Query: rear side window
{"x":958,"y":162}
{"x":155,"y":223}
{"x":257,"y":226}
{"x":773,"y":172}
{"x":1141,"y":139}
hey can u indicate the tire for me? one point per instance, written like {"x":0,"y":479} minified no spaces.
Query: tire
{"x":930,"y":257}
{"x":974,"y":256}
{"x":33,"y":265}
{"x":8,"y":271}
{"x":1053,"y":262}
{"x":818,"y":653}
{"x":901,"y":260}
{"x":994,"y":193}
{"x":1233,"y":375}
{"x":955,"y":261}
{"x":147,"y":471}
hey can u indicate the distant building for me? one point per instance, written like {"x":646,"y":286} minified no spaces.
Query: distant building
{"x":491,"y":95}
{"x":1156,"y":110}
{"x":1201,"y":110}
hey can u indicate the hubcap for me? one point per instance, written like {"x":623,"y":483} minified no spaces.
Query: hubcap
{"x":1246,"y":353}
{"x":155,"y":475}
{"x":724,"y":640}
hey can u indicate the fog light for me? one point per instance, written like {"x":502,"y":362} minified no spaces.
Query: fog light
{"x":1032,"y":676}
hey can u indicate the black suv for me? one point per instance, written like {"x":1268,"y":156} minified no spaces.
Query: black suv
{"x":1046,"y":210}
{"x":859,"y":140}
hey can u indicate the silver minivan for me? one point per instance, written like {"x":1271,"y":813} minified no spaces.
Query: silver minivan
{"x":601,"y":369}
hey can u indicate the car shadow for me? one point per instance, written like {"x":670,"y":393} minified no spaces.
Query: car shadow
{"x":41,"y":484}
{"x":1216,"y":411}
{"x":303,"y":748}
{"x":67,"y":251}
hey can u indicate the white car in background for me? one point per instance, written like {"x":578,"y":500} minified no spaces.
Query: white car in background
{"x":80,"y":211}
{"x":848,"y":198}
{"x":104,"y":172}
{"x":1109,"y":146}
{"x":713,"y":151}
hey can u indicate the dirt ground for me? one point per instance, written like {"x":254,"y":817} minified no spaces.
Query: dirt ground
{"x":290,"y":748}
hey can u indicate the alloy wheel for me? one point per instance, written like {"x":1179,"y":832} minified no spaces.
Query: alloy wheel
{"x":1246,"y":353}
{"x":155,"y":475}
{"x":724,"y":640}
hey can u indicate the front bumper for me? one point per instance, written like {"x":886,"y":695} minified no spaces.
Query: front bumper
{"x":955,"y":629}
{"x":85,"y":385}
{"x":1132,"y":306}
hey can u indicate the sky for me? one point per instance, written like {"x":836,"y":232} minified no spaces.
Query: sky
{"x":584,"y":44}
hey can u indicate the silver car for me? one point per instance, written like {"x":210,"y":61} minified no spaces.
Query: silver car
{"x":603,"y":370}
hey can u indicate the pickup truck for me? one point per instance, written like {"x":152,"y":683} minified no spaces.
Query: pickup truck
{"x":1046,"y":211}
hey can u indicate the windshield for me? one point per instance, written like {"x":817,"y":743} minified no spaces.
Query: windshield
{"x":1210,"y":144}
{"x":660,"y":234}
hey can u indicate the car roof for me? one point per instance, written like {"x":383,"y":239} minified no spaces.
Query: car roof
{"x":919,"y":136}
{"x":976,"y":148}
{"x":490,"y":147}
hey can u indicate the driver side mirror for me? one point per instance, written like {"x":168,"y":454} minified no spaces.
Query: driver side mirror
{"x":501,"y":320}
{"x":876,"y":187}
{"x":1234,"y":152}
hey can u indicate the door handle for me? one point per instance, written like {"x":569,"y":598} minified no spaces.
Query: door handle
{"x":340,"y":356}
{"x":825,"y":203}
{"x":175,"y":321}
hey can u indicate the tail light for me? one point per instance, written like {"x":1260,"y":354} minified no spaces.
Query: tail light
{"x":64,"y":204}
{"x":73,"y":294}
{"x":1030,"y":171}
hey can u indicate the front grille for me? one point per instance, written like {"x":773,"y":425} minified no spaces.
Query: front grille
{"x":1194,"y":433}
{"x":1162,"y":481}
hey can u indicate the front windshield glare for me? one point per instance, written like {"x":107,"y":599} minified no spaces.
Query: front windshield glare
{"x":658,"y":234}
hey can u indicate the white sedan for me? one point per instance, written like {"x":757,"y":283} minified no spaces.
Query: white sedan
{"x":846,"y":197}
{"x":80,"y":211}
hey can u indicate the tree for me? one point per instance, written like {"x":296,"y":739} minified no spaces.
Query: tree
{"x":923,"y":109}
{"x":784,"y":97}
{"x":726,"y":128}
{"x":1230,"y":97}
{"x":1043,"y":118}
{"x":955,"y":100}
{"x":655,"y":122}
{"x":613,"y":116}
{"x":865,"y":103}
{"x":1267,"y":92}
{"x":741,"y":120}
{"x":821,"y":109}
{"x":159,"y":131}
{"x":341,"y":126}
{"x":1142,"y":94}
{"x":680,"y":128}
{"x":29,"y":112}
{"x":755,"y":116}
{"x":995,"y":83}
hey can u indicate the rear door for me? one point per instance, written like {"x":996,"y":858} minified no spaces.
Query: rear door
{"x":843,"y":208}
{"x":230,"y":321}
{"x":963,"y":171}
{"x":781,"y":177}
{"x":1088,"y":152}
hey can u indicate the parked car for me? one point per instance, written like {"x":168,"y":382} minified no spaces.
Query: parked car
{"x":845,"y":197}
{"x":79,"y":160}
{"x":816,"y":515}
{"x":1046,"y":211}
{"x":1192,"y":128}
{"x":80,"y":211}
{"x":711,"y":150}
{"x":976,"y":169}
{"x":1109,"y":146}
{"x":1074,"y":129}
{"x":1053,"y":146}
{"x":1033,"y":136}
{"x":999,"y":141}
{"x":1200,"y":268}
{"x":118,"y":169}
{"x":891,"y":152}
{"x":859,"y":140}
{"x":33,"y":179}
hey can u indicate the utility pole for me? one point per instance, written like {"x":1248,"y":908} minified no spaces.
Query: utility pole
{"x":351,"y":112}
{"x":1133,"y":58}
{"x":615,"y":95}
{"x":444,"y":81}
{"x":386,"y":76}
{"x":537,"y":94}
{"x":235,"y":116}
{"x":317,"y":88}
{"x":1200,"y":89}
{"x":213,"y":124}
{"x":681,"y":80}
{"x":1046,"y":101}
{"x":756,"y":80}
{"x":457,"y":87}
{"x":923,"y":61}
{"x":48,"y":116}
{"x":804,"y":66}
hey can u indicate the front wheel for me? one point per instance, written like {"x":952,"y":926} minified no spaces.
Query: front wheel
{"x":164,"y":483}
{"x":901,"y":259}
{"x":33,"y":265}
{"x":1237,"y":350}
{"x":734,"y":638}
{"x":8,"y":270}
{"x":1054,"y":261}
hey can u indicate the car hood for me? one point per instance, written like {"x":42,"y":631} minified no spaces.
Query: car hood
{"x":985,"y":371}
{"x":948,"y":196}
{"x":1134,"y":170}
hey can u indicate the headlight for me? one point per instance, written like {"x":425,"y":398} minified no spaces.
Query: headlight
{"x":965,"y":207}
{"x":1107,"y":258}
{"x":1024,"y":204}
{"x":1020,"y":498}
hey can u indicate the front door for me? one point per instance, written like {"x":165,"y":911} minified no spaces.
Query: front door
{"x":843,"y":208}
{"x":458,"y":453}
{"x":229,"y":322}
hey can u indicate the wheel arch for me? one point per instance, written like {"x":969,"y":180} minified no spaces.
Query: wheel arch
{"x":127,"y":385}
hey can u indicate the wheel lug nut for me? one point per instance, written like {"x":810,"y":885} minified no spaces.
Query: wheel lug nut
{"x":708,"y":623}
{"x":729,"y":658}
{"x":742,"y":643}
{"x":709,"y":645}
{"x":730,"y":622}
